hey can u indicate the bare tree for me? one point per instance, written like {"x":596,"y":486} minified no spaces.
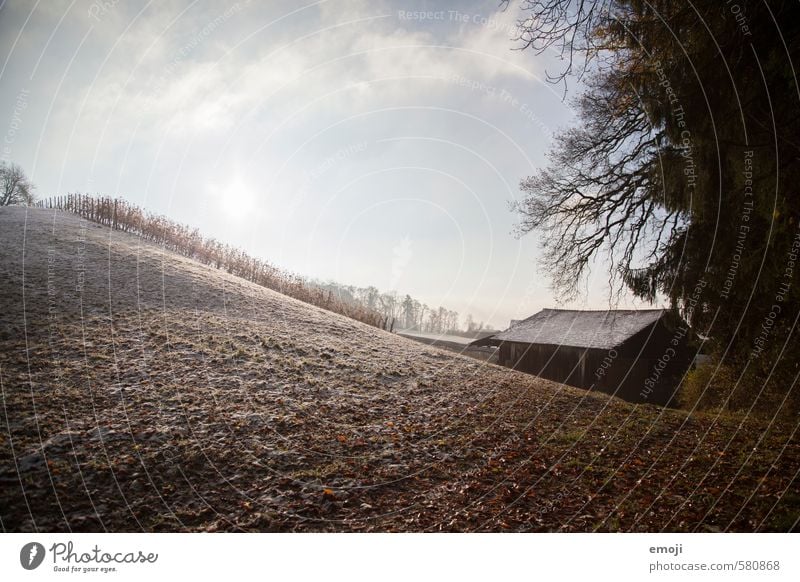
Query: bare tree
{"x":567,"y":27}
{"x":15,"y":188}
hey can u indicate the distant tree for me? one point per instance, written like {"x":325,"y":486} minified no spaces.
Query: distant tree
{"x":369,"y":297}
{"x":444,"y":318}
{"x":15,"y":188}
{"x":389,"y":304}
{"x":472,"y":325}
{"x":452,"y":321}
{"x":406,"y":307}
{"x":409,"y":307}
{"x":421,"y":321}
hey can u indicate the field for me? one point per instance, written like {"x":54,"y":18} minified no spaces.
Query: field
{"x":144,"y":391}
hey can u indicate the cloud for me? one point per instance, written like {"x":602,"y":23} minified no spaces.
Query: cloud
{"x":200,"y":82}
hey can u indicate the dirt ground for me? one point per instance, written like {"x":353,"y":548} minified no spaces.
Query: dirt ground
{"x":143,"y":391}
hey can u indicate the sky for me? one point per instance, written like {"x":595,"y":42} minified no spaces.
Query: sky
{"x":366,"y":142}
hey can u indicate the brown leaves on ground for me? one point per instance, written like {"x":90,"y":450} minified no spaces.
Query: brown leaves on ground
{"x":141,"y":391}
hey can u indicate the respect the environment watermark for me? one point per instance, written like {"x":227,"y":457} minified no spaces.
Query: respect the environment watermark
{"x":506,"y":98}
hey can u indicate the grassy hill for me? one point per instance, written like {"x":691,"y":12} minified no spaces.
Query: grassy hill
{"x":144,"y":391}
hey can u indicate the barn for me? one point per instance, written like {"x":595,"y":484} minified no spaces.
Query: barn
{"x":638,"y":355}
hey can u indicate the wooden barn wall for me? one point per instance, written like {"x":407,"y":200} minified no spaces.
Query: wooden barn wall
{"x":628,"y":372}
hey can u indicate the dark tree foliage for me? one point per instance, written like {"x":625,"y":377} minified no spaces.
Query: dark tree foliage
{"x":682,"y":170}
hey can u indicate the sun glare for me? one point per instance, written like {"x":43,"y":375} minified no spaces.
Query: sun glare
{"x":238,"y":200}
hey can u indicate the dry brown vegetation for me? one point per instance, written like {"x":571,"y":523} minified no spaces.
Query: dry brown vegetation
{"x":142,"y":390}
{"x":118,"y":214}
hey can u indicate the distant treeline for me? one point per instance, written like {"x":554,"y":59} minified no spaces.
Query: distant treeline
{"x":121,"y":215}
{"x":403,"y":312}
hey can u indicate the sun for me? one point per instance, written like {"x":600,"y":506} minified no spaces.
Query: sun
{"x":238,"y":200}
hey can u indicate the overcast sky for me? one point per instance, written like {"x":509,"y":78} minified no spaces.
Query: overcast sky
{"x":362,"y":142}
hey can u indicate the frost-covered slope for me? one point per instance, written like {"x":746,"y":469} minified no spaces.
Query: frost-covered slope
{"x":143,"y":391}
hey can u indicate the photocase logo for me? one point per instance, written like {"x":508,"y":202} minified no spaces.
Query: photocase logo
{"x":31,"y":555}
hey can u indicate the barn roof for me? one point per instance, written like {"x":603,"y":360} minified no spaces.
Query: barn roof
{"x":583,"y":329}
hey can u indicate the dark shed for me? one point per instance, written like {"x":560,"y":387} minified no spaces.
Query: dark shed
{"x":638,"y":355}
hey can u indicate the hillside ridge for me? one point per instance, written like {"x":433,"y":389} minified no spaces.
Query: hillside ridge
{"x":144,"y":391}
